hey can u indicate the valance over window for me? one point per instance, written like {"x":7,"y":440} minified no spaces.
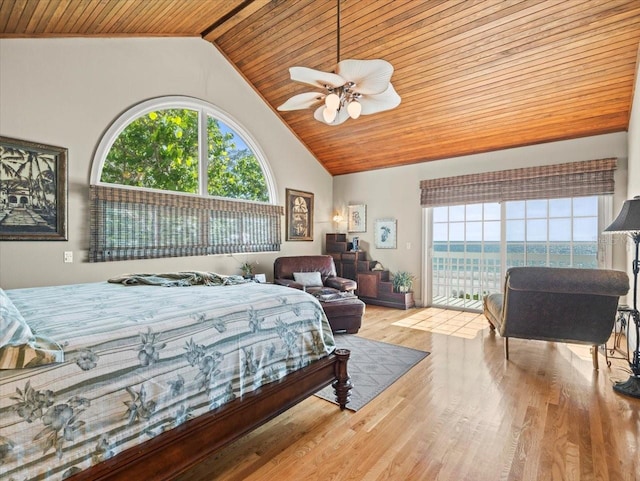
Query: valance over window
{"x":573,"y":179}
{"x":136,"y":224}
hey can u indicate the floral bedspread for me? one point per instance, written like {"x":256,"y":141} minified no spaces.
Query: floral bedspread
{"x":140,"y":360}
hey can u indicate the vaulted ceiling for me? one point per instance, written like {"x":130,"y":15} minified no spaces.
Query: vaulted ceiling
{"x":474,"y":75}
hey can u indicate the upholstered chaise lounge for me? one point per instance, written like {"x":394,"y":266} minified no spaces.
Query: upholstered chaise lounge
{"x":317,"y":275}
{"x":557,"y":304}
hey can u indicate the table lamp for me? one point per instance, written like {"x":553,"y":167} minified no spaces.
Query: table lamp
{"x":628,"y":222}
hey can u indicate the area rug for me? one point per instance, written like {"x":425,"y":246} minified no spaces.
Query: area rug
{"x":373,"y":367}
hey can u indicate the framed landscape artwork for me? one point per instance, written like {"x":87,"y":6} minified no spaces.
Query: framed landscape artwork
{"x":299,"y":215}
{"x":385,"y":233}
{"x":357,"y":221}
{"x":33,"y":191}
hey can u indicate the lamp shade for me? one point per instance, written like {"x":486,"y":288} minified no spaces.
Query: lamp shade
{"x":628,"y":219}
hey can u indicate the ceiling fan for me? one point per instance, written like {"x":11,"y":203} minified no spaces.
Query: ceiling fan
{"x":357,"y":87}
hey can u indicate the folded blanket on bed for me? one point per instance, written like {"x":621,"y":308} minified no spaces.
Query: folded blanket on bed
{"x":179,"y":279}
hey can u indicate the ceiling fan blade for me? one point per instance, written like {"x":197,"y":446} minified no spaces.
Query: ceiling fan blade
{"x":302,"y":101}
{"x":316,"y":78}
{"x":341,"y":116}
{"x":370,"y":76}
{"x":387,"y":100}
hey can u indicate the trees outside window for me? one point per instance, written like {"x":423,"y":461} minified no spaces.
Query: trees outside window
{"x":160,"y":150}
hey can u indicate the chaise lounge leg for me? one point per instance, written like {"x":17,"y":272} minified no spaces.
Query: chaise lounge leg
{"x":506,"y":348}
{"x":594,"y":355}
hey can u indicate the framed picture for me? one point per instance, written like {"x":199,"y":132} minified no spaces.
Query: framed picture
{"x":385,"y":233}
{"x":33,"y":191}
{"x":357,"y":221}
{"x":299,"y":215}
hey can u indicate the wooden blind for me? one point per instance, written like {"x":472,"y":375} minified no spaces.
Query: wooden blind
{"x":573,"y":179}
{"x":134,"y":224}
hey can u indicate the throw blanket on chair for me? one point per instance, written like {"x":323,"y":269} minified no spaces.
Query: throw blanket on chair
{"x":179,"y":279}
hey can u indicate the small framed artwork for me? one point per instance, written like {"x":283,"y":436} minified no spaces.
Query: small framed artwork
{"x":299,"y":215}
{"x":33,"y":197}
{"x":357,"y":221}
{"x":385,"y":233}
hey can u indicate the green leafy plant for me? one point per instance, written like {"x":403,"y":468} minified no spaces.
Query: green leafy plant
{"x":402,"y":281}
{"x":247,"y":269}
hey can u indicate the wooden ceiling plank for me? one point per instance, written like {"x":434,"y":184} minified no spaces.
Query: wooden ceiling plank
{"x":515,"y":136}
{"x":58,"y":15}
{"x":70,"y":17}
{"x":120,"y":9}
{"x":155,"y":24}
{"x":446,"y":30}
{"x":444,"y":55}
{"x":235,"y":20}
{"x":25,"y":16}
{"x":41,"y":14}
{"x":266,"y":19}
{"x":540,"y":95}
{"x":253,"y":53}
{"x":198,"y":16}
{"x":466,"y":129}
{"x":123,"y":23}
{"x":9,"y":16}
{"x":461,"y":126}
{"x":448,"y":57}
{"x":558,"y":66}
{"x":85,"y":24}
{"x":284,"y":31}
{"x":559,"y":86}
{"x":430,"y":152}
{"x":555,"y":72}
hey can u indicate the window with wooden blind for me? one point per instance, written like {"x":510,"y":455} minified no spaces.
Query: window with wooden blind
{"x":177,"y":177}
{"x":482,"y":224}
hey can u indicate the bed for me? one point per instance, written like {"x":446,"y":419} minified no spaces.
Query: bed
{"x":154,"y":379}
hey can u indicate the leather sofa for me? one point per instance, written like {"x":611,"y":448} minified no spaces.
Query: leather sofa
{"x":343,"y":310}
{"x":557,"y":304}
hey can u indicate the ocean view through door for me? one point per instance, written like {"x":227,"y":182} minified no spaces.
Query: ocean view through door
{"x":473,"y":245}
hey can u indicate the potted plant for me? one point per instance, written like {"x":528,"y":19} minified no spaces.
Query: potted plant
{"x":247,"y":270}
{"x":402,"y":281}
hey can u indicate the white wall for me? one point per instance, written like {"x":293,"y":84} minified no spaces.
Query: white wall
{"x":66,"y":92}
{"x":634,"y":181}
{"x":395,"y":192}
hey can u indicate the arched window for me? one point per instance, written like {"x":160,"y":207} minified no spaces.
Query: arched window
{"x":176,"y":177}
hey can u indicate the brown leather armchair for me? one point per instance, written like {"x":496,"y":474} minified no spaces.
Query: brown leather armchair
{"x":557,"y":304}
{"x":317,"y":275}
{"x":286,"y":269}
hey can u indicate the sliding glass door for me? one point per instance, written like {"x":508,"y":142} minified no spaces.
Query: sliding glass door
{"x":473,"y":245}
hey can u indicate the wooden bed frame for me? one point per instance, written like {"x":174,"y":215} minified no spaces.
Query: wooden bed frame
{"x":176,"y":451}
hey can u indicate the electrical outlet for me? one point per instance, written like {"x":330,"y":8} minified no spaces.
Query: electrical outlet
{"x":68,"y":257}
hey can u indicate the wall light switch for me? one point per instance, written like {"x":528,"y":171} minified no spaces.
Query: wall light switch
{"x":408,"y":245}
{"x":68,"y":257}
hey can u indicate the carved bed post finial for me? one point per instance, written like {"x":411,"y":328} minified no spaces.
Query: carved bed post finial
{"x":342,"y":385}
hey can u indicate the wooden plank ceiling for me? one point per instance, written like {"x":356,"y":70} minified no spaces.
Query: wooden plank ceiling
{"x":474,"y":76}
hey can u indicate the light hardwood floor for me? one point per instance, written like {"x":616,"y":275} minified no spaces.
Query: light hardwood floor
{"x":461,"y":414}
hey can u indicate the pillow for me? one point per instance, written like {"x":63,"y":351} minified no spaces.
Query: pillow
{"x":14,"y":330}
{"x":19,"y":347}
{"x":308,"y":279}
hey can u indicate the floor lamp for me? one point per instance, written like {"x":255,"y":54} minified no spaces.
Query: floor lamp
{"x":628,"y":222}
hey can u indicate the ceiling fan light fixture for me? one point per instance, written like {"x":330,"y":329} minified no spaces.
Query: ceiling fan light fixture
{"x":329,"y":115}
{"x":357,"y":87}
{"x":354,"y":108}
{"x":332,"y":101}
